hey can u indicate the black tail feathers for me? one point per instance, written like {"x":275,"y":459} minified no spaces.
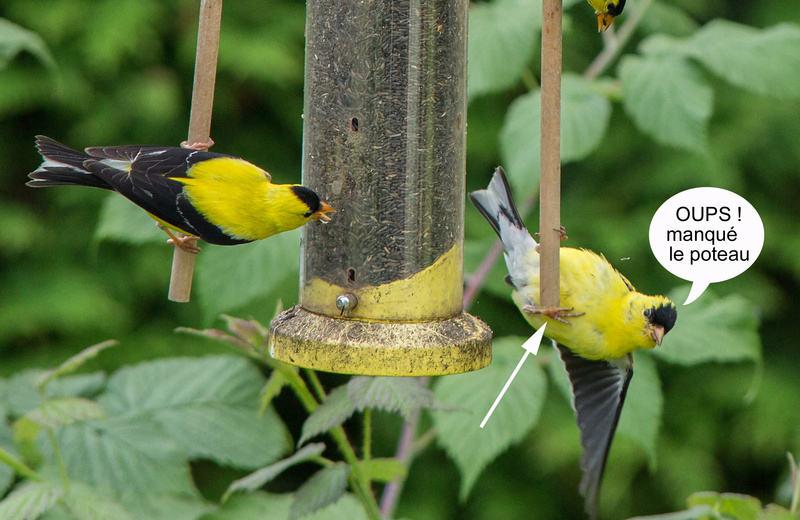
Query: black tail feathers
{"x":62,"y":165}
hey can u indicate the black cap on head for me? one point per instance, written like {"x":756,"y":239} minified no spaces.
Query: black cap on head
{"x":665,"y":315}
{"x":308,"y":197}
{"x":615,"y":10}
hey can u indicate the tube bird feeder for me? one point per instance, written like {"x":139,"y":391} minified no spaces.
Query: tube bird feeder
{"x":384,"y":143}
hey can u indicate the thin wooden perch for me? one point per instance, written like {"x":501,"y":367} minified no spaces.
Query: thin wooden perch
{"x":550,"y":176}
{"x":205,"y":73}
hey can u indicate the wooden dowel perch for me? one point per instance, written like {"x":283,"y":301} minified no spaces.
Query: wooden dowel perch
{"x":550,"y":170}
{"x":205,"y":73}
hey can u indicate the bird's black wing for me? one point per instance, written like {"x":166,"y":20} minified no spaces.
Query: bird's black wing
{"x":150,"y":184}
{"x":598,"y":390}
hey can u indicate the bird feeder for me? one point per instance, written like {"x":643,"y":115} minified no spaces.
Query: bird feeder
{"x":384,"y":143}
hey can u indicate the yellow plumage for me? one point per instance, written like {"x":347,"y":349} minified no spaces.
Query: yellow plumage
{"x":606,"y":11}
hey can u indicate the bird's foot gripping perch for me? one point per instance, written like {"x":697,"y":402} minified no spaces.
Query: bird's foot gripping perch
{"x":198,"y":146}
{"x":556,"y":313}
{"x":562,"y":231}
{"x":186,"y":242}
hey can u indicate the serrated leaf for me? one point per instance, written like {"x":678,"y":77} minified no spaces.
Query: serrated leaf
{"x":29,"y":501}
{"x":667,"y":99}
{"x":258,"y":478}
{"x":208,"y":406}
{"x":459,"y":433}
{"x":335,"y":410}
{"x":15,"y":39}
{"x":584,"y":119}
{"x":65,"y":411}
{"x":86,"y":504}
{"x":23,"y":395}
{"x":383,"y":470}
{"x":325,"y":487}
{"x":230,"y":277}
{"x":766,"y":61}
{"x":75,"y":362}
{"x":502,"y":37}
{"x":711,"y":329}
{"x":392,"y":394}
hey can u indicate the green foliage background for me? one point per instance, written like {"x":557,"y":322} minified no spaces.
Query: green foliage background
{"x":692,"y":100}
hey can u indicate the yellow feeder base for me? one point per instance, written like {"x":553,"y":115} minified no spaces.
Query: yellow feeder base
{"x":381,"y":348}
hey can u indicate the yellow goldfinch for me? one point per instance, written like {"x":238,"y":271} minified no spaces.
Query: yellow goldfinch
{"x":221,"y":199}
{"x":601,"y":322}
{"x":606,"y":11}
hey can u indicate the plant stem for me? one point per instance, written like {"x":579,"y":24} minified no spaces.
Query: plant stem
{"x":316,"y":385}
{"x":358,"y":481}
{"x":404,"y":453}
{"x":367,"y":450}
{"x":19,"y":467}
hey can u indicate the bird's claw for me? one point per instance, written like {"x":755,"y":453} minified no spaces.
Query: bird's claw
{"x":562,"y":231}
{"x":186,"y":242}
{"x":556,"y":313}
{"x":198,"y":146}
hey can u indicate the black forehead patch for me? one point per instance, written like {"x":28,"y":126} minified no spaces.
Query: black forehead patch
{"x":665,"y":315}
{"x":616,"y":10}
{"x":308,"y":197}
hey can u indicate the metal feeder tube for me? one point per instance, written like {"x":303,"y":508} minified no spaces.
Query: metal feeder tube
{"x":384,"y":143}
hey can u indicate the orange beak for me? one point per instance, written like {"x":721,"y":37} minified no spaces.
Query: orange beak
{"x":657,"y":333}
{"x":604,"y":21}
{"x":322,"y":213}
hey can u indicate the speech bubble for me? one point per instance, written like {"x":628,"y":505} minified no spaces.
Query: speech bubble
{"x":706,"y":235}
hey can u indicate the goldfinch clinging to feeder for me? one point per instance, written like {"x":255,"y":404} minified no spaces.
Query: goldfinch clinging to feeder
{"x":221,"y":199}
{"x":601,"y":322}
{"x":606,"y":11}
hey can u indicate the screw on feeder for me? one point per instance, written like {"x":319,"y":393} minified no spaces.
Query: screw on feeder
{"x":346,"y":303}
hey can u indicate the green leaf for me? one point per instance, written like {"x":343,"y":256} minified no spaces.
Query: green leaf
{"x":23,"y":394}
{"x":325,"y":487}
{"x":65,"y":411}
{"x":15,"y":39}
{"x":502,"y":38}
{"x":86,"y":504}
{"x":667,"y":99}
{"x":393,"y":394}
{"x":208,"y":406}
{"x":776,"y":512}
{"x":459,"y":433}
{"x":711,"y":329}
{"x":29,"y":501}
{"x":383,"y":470}
{"x":165,"y":507}
{"x":75,"y":362}
{"x":766,"y":61}
{"x":740,"y":507}
{"x":260,"y":477}
{"x":335,"y":410}
{"x":121,"y":220}
{"x":260,"y":506}
{"x":695,"y":513}
{"x":230,"y":277}
{"x":274,"y":385}
{"x":584,"y":119}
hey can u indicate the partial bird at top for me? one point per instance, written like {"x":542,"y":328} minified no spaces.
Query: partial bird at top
{"x":606,"y":11}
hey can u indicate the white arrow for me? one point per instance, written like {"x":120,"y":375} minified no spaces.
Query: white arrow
{"x":531,"y":347}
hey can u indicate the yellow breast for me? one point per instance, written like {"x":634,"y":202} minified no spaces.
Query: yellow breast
{"x":239,"y":198}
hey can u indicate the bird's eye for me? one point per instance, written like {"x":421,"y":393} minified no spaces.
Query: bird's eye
{"x":648,"y":313}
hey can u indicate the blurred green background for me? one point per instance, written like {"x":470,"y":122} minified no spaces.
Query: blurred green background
{"x":76,"y":270}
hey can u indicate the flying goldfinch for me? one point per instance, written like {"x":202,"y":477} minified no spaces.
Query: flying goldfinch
{"x":606,"y":11}
{"x":601,"y":322}
{"x":221,"y":199}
